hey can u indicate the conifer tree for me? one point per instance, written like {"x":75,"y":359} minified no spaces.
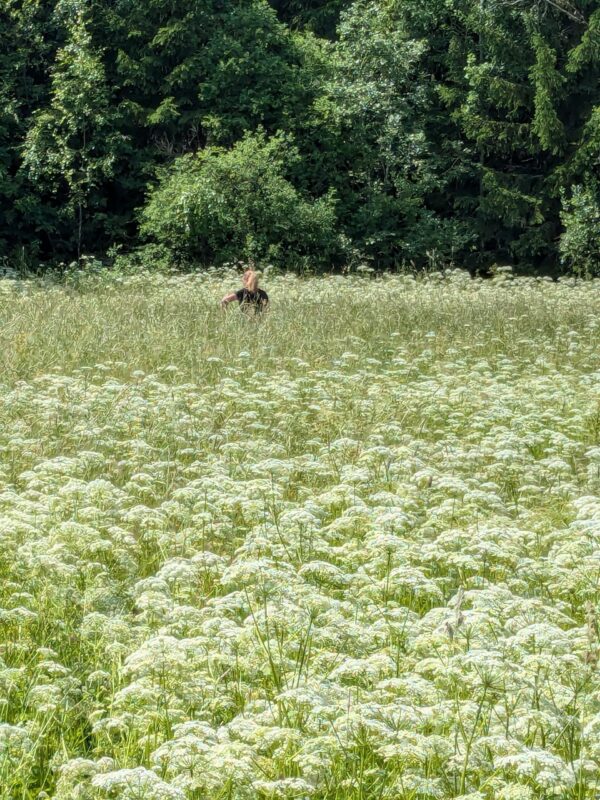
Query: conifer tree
{"x":28,"y":42}
{"x":511,"y":114}
{"x":72,"y":146}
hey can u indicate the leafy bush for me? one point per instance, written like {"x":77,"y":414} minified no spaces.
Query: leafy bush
{"x":220,"y":204}
{"x":580,"y":243}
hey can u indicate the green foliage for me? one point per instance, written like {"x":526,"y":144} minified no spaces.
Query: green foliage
{"x":221,"y":204}
{"x":547,"y":83}
{"x":444,"y":130}
{"x":580,"y":243}
{"x":203,"y":73}
{"x":141,"y":84}
{"x":510,"y":117}
{"x":380,"y":160}
{"x":319,"y":16}
{"x":580,"y":214}
{"x":29,"y":37}
{"x":73,"y":144}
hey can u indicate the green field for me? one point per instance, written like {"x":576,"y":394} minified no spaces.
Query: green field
{"x":349,"y":551}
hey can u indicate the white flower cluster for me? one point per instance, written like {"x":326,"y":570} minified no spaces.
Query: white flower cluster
{"x":375,"y":577}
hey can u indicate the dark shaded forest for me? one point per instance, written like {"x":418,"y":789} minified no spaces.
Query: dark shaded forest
{"x":314,"y":134}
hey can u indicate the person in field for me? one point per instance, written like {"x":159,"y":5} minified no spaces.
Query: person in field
{"x":250,"y":298}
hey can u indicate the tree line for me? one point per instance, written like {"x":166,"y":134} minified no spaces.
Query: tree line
{"x":311,"y":133}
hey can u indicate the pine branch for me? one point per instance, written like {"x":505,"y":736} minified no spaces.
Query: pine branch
{"x":568,"y":9}
{"x":560,"y":5}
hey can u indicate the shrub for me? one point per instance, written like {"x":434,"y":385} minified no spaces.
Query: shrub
{"x":580,"y":242}
{"x":219,"y":205}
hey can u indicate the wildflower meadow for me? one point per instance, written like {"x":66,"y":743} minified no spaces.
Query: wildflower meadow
{"x":346,"y":551}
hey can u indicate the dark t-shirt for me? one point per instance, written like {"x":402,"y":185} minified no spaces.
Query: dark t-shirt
{"x":256,"y":301}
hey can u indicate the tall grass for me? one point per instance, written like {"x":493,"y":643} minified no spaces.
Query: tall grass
{"x":149,"y":322}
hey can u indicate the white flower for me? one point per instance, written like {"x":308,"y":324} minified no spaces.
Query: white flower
{"x":284,"y":787}
{"x":136,"y":784}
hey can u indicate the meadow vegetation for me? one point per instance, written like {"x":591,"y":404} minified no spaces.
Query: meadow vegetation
{"x":348,"y":551}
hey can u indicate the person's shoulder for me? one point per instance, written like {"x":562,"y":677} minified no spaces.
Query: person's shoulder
{"x":263,"y":294}
{"x":240,"y":294}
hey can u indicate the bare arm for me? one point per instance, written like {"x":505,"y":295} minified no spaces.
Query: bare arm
{"x":229,"y":298}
